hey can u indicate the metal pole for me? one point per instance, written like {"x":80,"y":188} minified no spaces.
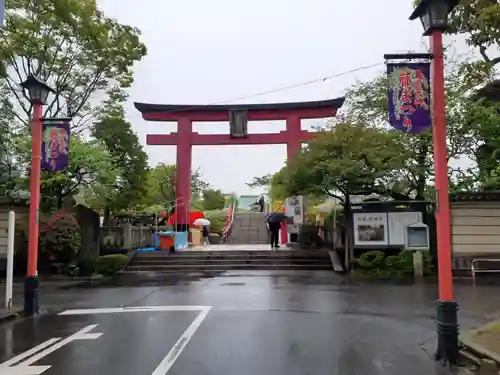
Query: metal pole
{"x":31,"y":281}
{"x":10,"y":261}
{"x":447,"y":321}
{"x":334,"y":237}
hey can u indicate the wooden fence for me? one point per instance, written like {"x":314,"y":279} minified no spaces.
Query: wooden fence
{"x":122,"y":238}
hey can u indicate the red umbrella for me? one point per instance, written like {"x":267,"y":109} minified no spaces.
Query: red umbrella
{"x":192,"y":217}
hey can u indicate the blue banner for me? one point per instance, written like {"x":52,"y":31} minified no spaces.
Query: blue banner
{"x":55,"y":146}
{"x":2,"y":13}
{"x":409,"y":96}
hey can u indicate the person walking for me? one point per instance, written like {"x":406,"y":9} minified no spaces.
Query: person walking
{"x":262,"y":202}
{"x":273,"y":221}
{"x":274,"y":228}
{"x":206,"y":235}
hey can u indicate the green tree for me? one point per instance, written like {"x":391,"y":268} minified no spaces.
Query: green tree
{"x":161,"y":187}
{"x":478,"y":21}
{"x":346,"y":159}
{"x":83,"y":55}
{"x":261,"y":182}
{"x":483,"y":127}
{"x":91,"y":167}
{"x":367,"y":103}
{"x":123,"y":145}
{"x":7,"y":161}
{"x":273,"y":183}
{"x":73,"y":46}
{"x":213,"y":199}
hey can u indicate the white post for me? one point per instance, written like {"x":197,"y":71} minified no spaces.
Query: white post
{"x":418,"y":265}
{"x":10,"y":261}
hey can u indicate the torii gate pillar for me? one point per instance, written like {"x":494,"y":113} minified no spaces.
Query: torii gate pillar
{"x":183,"y":173}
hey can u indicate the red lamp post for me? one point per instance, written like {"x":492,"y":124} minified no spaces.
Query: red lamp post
{"x":38,"y":92}
{"x":434,"y":17}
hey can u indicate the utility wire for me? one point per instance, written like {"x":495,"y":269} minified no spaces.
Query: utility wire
{"x":272,"y":91}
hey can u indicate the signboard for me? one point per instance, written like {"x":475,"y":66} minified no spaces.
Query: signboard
{"x":417,"y":237}
{"x":370,"y":229}
{"x":409,"y":96}
{"x":397,"y":222}
{"x":55,"y":145}
{"x":294,"y":209}
{"x":278,"y":206}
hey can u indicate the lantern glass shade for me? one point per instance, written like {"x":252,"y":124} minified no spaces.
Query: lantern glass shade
{"x":38,"y":94}
{"x":38,"y":90}
{"x":434,"y":14}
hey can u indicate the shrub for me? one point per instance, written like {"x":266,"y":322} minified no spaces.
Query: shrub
{"x":108,"y":265}
{"x":371,"y":260}
{"x":376,"y":263}
{"x":217,"y":220}
{"x":60,"y":237}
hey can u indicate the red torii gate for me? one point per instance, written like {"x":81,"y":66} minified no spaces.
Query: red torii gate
{"x":185,"y":138}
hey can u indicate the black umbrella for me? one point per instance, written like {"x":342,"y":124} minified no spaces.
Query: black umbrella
{"x":275,"y":217}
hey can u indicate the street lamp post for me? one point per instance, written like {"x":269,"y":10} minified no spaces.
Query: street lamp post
{"x":38,"y":92}
{"x":434,"y":17}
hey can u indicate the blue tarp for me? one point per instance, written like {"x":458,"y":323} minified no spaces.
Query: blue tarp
{"x":181,"y":240}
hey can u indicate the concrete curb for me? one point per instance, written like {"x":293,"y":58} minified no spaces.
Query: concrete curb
{"x":7,"y":317}
{"x":467,"y":340}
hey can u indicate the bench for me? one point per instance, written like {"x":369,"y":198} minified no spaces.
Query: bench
{"x":482,"y":265}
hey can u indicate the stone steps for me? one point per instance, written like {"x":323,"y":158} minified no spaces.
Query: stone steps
{"x":308,"y":254}
{"x":249,"y":228}
{"x":206,"y":261}
{"x":278,"y":261}
{"x":226,"y":267}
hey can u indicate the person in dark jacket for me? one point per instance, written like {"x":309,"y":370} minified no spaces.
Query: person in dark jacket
{"x":274,"y":228}
{"x":274,"y":221}
{"x":261,"y":203}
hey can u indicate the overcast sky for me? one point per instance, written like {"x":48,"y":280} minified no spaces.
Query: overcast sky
{"x":206,"y":51}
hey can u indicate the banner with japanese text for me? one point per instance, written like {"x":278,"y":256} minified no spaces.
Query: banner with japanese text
{"x":55,"y":145}
{"x":409,"y":96}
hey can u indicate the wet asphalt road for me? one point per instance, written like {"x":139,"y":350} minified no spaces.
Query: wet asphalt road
{"x":240,"y":323}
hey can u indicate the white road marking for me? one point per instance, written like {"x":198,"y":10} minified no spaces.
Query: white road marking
{"x":179,"y":346}
{"x":133,"y":309}
{"x":50,"y":346}
{"x":30,"y":352}
{"x":25,"y":368}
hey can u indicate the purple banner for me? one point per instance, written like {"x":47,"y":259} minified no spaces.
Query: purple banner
{"x":409,"y":97}
{"x":55,"y":146}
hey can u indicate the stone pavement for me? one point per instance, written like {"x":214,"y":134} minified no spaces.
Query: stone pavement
{"x":484,"y":341}
{"x":237,"y":247}
{"x":283,"y":323}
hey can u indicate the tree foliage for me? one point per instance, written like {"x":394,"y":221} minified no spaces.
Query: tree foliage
{"x":213,"y":199}
{"x":91,"y":166}
{"x":123,"y":145}
{"x":346,"y":159}
{"x":161,"y":187}
{"x":478,"y":21}
{"x":73,"y":46}
{"x":87,"y":58}
{"x":261,"y":181}
{"x":465,"y":115}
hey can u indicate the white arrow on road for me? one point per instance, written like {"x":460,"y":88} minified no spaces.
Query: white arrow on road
{"x":43,"y":350}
